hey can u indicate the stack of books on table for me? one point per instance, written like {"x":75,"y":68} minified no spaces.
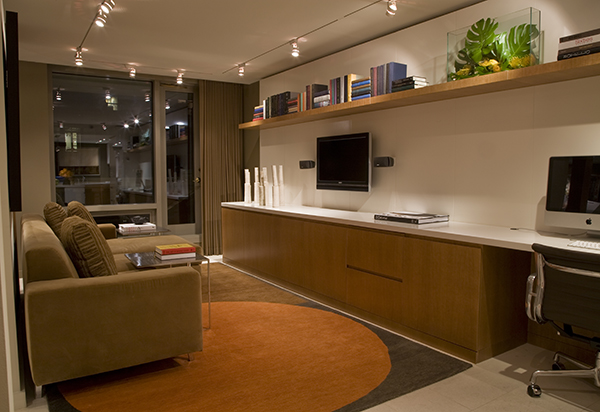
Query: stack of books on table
{"x":129,"y":228}
{"x":411,"y":217}
{"x":175,"y":251}
{"x":580,"y":44}
{"x":412,"y":82}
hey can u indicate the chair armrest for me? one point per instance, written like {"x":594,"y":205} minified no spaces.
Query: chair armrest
{"x":108,"y":230}
{"x":80,"y":327}
{"x":530,"y":297}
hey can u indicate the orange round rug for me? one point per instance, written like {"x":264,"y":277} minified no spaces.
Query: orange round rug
{"x":257,"y":357}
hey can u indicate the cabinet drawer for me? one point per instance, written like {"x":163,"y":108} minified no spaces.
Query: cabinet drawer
{"x":375,"y":252}
{"x":375,"y":294}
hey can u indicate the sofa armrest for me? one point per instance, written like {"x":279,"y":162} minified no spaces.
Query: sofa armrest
{"x":80,"y":327}
{"x":108,"y":230}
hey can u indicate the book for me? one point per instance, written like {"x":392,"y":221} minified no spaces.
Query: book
{"x":578,"y":39}
{"x":382,"y":77}
{"x":579,"y":51}
{"x":176,"y":256}
{"x":175,"y":248}
{"x":412,"y":217}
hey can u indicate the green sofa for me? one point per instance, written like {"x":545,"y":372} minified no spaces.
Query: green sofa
{"x":78,"y":326}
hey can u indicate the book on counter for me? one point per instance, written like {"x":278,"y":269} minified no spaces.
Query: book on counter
{"x":412,"y":217}
{"x":133,"y":228}
{"x":175,"y":256}
{"x":175,"y":249}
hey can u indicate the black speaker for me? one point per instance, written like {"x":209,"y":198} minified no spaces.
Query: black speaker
{"x":307,"y":164}
{"x":384,"y":161}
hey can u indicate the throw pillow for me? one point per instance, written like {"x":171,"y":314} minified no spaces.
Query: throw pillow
{"x":54,"y":214}
{"x":87,"y":248}
{"x":75,"y":208}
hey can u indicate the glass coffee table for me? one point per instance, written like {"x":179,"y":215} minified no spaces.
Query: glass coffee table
{"x":143,"y":260}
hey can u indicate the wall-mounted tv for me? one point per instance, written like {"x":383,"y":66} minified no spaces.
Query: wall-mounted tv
{"x":344,"y":162}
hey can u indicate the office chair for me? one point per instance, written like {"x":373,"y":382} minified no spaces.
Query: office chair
{"x":565,"y":292}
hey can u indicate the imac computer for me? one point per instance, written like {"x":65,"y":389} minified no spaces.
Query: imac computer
{"x":573,"y":193}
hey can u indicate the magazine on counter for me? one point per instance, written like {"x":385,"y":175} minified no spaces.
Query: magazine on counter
{"x":412,"y":217}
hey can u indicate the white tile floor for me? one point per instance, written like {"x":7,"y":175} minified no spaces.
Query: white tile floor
{"x":498,"y":384}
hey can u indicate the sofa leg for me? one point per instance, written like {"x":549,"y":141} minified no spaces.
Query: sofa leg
{"x":190,"y":357}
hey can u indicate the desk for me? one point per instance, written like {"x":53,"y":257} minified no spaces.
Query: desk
{"x":149,"y":260}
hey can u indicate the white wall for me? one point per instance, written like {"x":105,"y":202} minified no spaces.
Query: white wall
{"x":481,"y":159}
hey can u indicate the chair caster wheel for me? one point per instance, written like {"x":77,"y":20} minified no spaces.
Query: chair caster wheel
{"x":534,"y":391}
{"x":557,"y":366}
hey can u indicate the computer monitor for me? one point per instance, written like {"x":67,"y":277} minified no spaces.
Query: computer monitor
{"x":573,"y":193}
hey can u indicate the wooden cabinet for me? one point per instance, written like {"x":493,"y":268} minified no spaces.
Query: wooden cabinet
{"x":463,"y":298}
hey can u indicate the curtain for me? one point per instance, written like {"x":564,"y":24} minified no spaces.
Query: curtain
{"x":221,"y":111}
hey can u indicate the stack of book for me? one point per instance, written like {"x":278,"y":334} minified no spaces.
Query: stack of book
{"x":277,"y":105}
{"x":259,"y":112}
{"x":312,"y":91}
{"x":412,"y":82}
{"x":293,"y":105}
{"x":321,"y":99}
{"x":340,"y":88}
{"x":383,"y":76}
{"x":175,"y":251}
{"x":411,"y":217}
{"x":131,"y":228}
{"x":361,"y":89}
{"x":580,"y":44}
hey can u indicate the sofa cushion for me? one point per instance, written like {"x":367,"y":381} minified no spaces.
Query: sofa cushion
{"x":75,"y":208}
{"x":87,"y":248}
{"x":54,"y":215}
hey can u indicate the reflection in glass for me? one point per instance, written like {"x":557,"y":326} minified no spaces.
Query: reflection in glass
{"x":180,"y":186}
{"x":103,"y":140}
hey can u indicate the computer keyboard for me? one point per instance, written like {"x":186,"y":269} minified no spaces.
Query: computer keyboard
{"x":585,"y":244}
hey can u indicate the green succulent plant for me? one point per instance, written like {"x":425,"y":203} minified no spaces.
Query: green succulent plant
{"x":486,"y":51}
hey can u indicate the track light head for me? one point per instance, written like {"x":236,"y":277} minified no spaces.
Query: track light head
{"x":179,"y":77}
{"x":132,"y":72}
{"x":100,"y":18}
{"x":391,"y":8}
{"x":107,"y":6}
{"x":78,"y":57}
{"x":241,"y":69}
{"x":295,"y":49}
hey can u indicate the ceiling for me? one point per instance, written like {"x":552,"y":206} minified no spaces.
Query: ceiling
{"x":208,"y":39}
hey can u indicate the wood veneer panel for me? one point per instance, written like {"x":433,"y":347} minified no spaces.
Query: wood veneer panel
{"x":502,"y":318}
{"x":325,"y":260}
{"x":288,"y":249}
{"x":442,"y":289}
{"x":233,"y":236}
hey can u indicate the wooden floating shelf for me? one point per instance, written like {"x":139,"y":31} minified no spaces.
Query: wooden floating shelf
{"x":564,"y":70}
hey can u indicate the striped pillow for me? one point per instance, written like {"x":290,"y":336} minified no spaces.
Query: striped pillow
{"x":75,"y":208}
{"x":87,"y":248}
{"x":54,"y":214}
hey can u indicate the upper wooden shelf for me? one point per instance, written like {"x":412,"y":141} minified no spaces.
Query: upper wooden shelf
{"x":571,"y":69}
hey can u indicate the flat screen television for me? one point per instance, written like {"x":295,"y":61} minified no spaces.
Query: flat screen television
{"x":573,"y":193}
{"x":344,"y":162}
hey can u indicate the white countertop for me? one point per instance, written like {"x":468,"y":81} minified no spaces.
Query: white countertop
{"x":518,"y":239}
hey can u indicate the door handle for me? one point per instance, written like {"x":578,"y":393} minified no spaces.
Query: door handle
{"x":197,"y":180}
